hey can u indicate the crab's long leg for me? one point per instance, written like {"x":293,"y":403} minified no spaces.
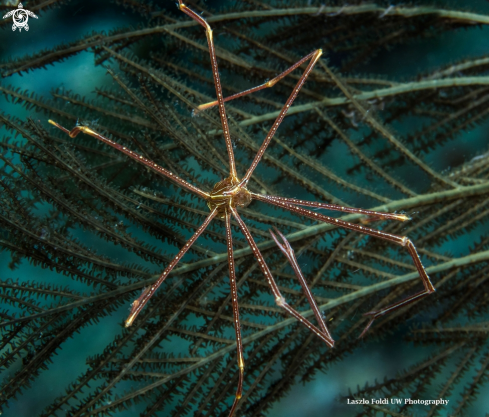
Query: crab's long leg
{"x":399,"y":240}
{"x":279,"y":299}
{"x":147,"y":293}
{"x":335,"y":207}
{"x":217,"y":83}
{"x":314,"y":58}
{"x":268,"y":84}
{"x":290,"y":255}
{"x":237,"y":324}
{"x":139,"y":158}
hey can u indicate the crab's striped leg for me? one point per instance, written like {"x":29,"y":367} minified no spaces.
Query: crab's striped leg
{"x":399,"y":240}
{"x":217,"y":82}
{"x":237,"y":325}
{"x":147,"y":293}
{"x":279,"y":299}
{"x":289,"y":254}
{"x":139,"y":158}
{"x":268,"y":84}
{"x":314,"y":58}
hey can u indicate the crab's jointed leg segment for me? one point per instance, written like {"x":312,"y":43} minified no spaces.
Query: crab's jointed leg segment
{"x":268,"y":84}
{"x":234,"y":298}
{"x":279,"y":299}
{"x":376,"y":214}
{"x":139,"y":158}
{"x":399,"y":240}
{"x":217,"y":83}
{"x":289,"y":253}
{"x":314,"y":58}
{"x":138,"y":304}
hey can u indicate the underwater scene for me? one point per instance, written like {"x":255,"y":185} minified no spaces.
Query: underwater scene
{"x":248,"y":208}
